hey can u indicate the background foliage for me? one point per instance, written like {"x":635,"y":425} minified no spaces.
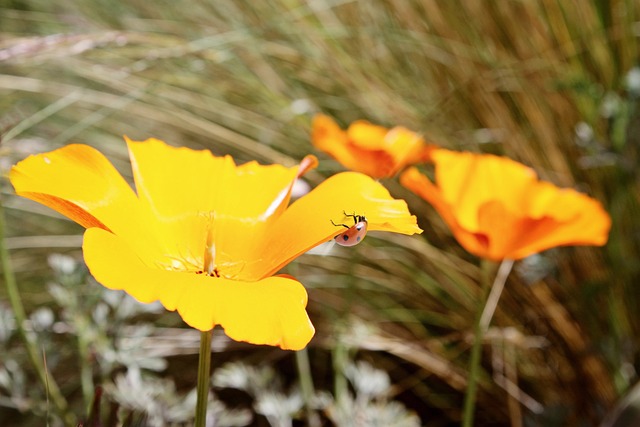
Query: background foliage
{"x":554,"y":84}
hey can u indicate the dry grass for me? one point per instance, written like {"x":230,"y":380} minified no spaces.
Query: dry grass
{"x":540,"y":81}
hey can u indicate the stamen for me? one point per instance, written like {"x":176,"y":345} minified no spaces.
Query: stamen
{"x":210,"y":257}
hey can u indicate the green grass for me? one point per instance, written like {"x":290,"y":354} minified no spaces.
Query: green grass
{"x":508,"y":77}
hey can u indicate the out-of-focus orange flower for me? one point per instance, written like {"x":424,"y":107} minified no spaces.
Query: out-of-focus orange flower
{"x":202,"y":235}
{"x":498,"y":209}
{"x":374,"y":150}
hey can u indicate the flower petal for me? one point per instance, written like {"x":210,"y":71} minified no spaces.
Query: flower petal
{"x":232,"y":203}
{"x":497,"y":209}
{"x":562,"y":217}
{"x":407,"y":147}
{"x":467,"y":181}
{"x":403,"y":145}
{"x":173,"y":181}
{"x":474,"y":241}
{"x":328,"y":137}
{"x":486,"y":193}
{"x":367,"y":135}
{"x":270,"y":311}
{"x":307,"y":222}
{"x":371,"y":149}
{"x":80,"y":183}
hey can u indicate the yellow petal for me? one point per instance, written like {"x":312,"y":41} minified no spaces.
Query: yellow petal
{"x":215,"y":197}
{"x":307,"y":222}
{"x":270,"y":311}
{"x":80,"y":183}
{"x":173,"y":181}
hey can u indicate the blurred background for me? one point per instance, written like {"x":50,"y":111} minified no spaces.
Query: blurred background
{"x":553,"y":84}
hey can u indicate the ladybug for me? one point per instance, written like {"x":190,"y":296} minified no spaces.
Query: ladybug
{"x":354,"y":234}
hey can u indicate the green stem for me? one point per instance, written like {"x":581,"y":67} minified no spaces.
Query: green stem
{"x":204,"y":374}
{"x":490,"y":297}
{"x":86,"y":373}
{"x":18,"y":311}
{"x":306,"y":386}
{"x":340,"y":355}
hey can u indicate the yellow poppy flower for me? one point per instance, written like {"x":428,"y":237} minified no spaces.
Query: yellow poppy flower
{"x":202,"y":235}
{"x":373,"y":150}
{"x":498,"y":209}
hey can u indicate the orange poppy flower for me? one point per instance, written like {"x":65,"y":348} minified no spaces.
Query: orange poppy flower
{"x":202,"y":235}
{"x":498,"y":209}
{"x":374,"y":150}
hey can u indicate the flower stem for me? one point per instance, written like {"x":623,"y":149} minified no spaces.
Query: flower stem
{"x":340,"y":355}
{"x":490,"y":302}
{"x":204,"y":373}
{"x":53,"y":391}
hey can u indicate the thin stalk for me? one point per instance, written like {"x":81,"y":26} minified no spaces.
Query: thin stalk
{"x":86,"y":373}
{"x":490,"y":297}
{"x":340,"y":352}
{"x":340,"y":358}
{"x":204,"y":373}
{"x":53,"y":391}
{"x":494,"y":295}
{"x":306,"y":385}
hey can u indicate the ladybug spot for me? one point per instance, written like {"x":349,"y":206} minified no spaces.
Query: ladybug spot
{"x":359,"y":238}
{"x":345,"y":238}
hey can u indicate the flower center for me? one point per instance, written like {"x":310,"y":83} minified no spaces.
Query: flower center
{"x":216,"y":264}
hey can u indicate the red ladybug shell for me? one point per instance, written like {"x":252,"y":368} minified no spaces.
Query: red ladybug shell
{"x":354,"y":234}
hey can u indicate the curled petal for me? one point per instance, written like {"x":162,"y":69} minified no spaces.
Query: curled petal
{"x":270,"y":311}
{"x":78,"y":182}
{"x":307,"y":222}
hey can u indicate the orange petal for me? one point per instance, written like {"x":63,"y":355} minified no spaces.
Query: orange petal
{"x":467,"y":181}
{"x":474,"y":240}
{"x":497,"y":209}
{"x":368,"y":136}
{"x":520,"y":215}
{"x":511,"y":236}
{"x":407,"y":147}
{"x":401,"y":146}
{"x":307,"y":222}
{"x":325,"y":133}
{"x":577,"y":219}
{"x":327,"y":136}
{"x":270,"y":311}
{"x":80,"y":183}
